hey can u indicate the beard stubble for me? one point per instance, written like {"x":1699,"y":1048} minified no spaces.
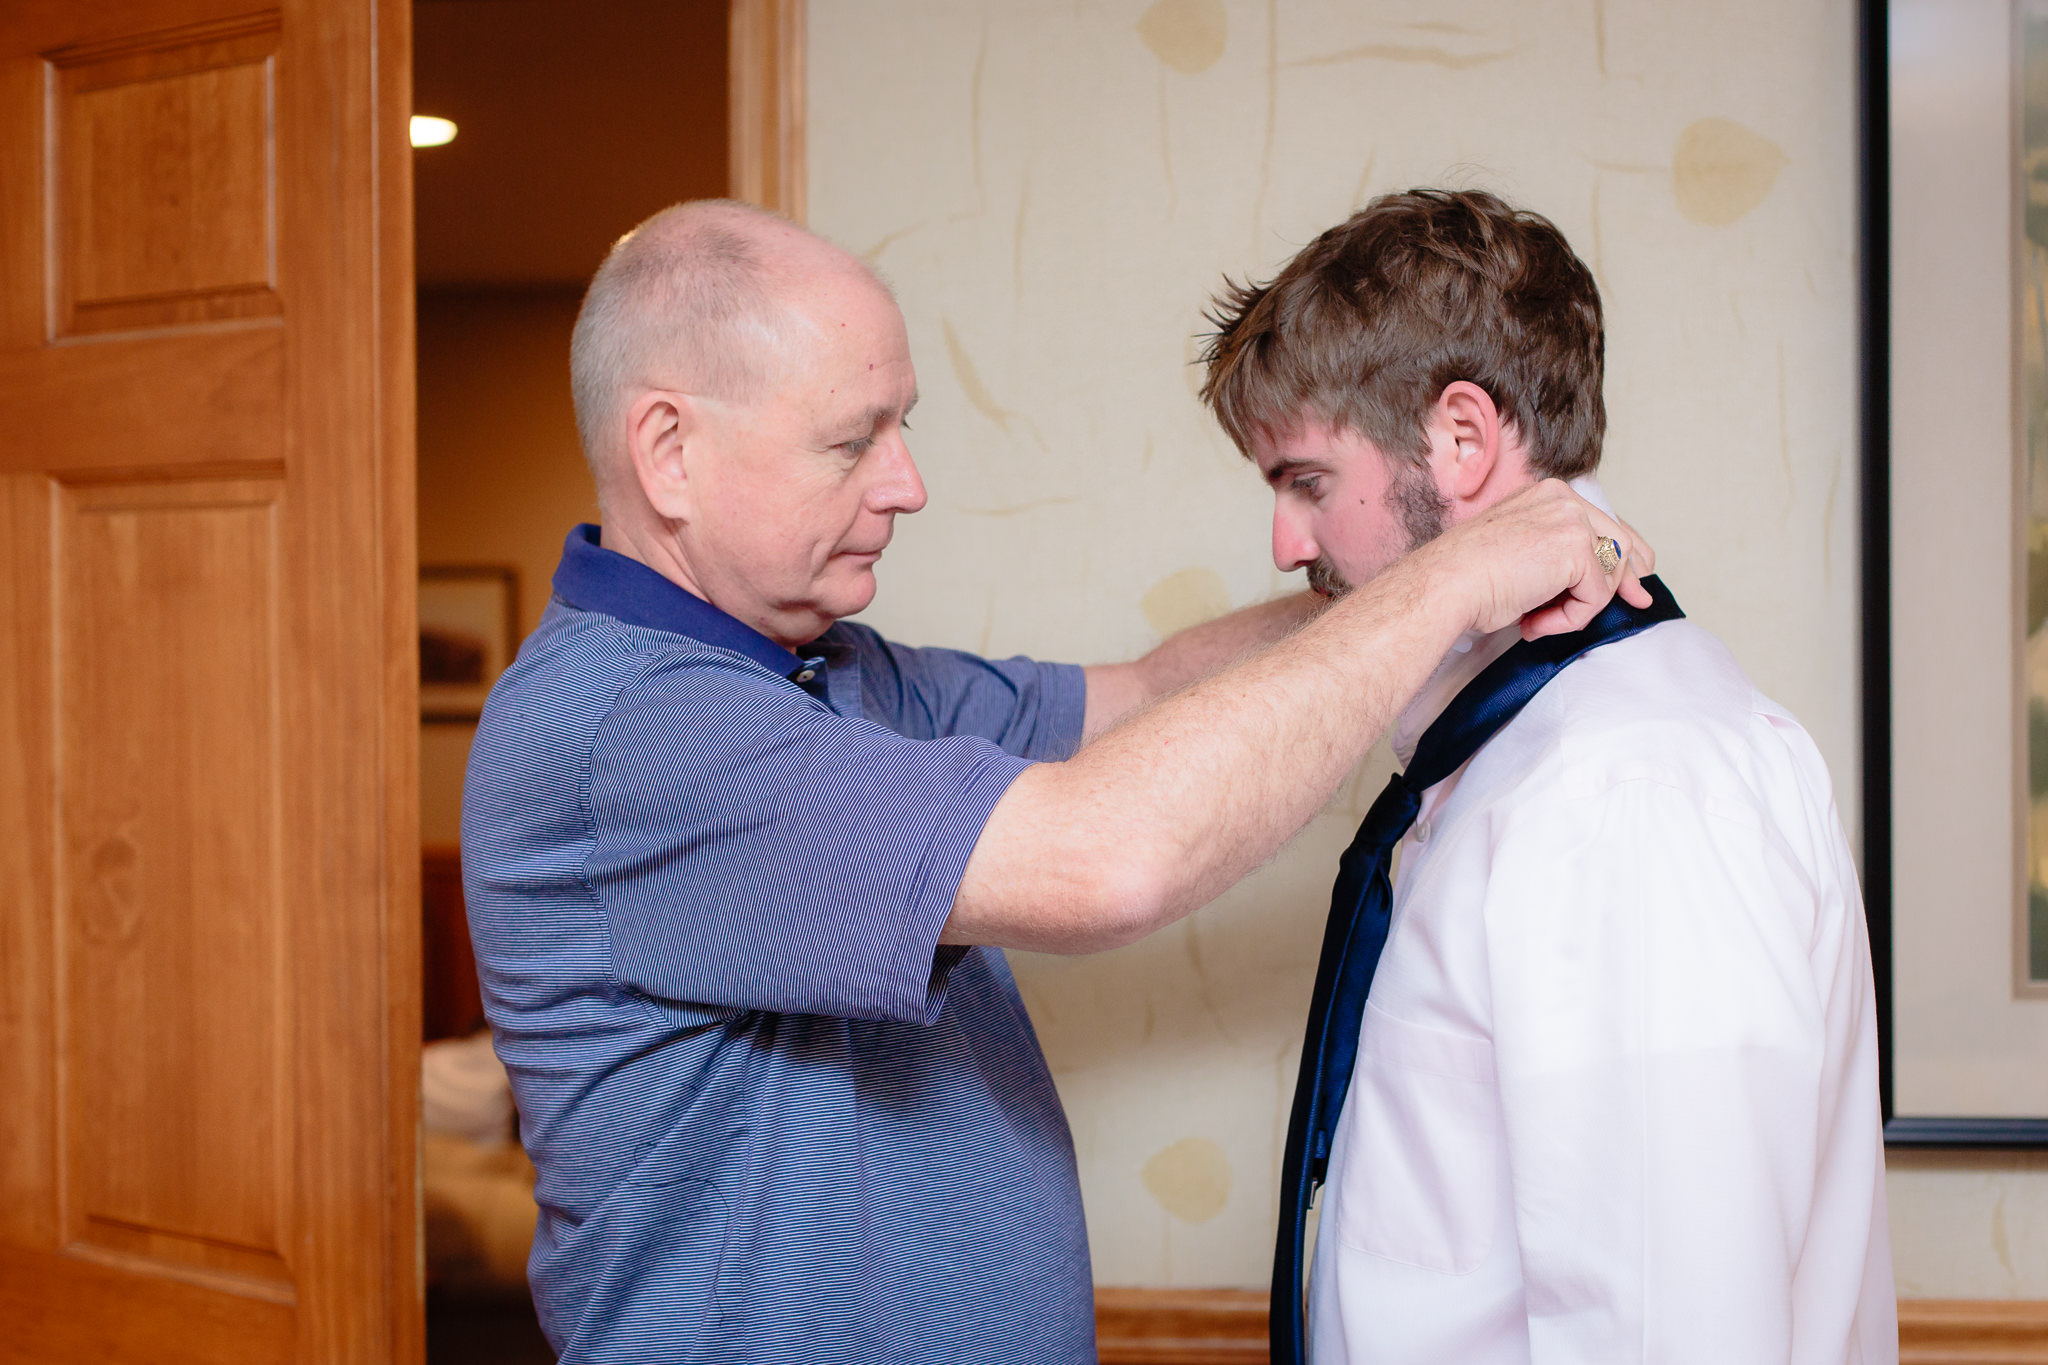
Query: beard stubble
{"x":1418,"y":506}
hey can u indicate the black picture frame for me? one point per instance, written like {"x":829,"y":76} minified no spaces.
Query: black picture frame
{"x":1873,"y":74}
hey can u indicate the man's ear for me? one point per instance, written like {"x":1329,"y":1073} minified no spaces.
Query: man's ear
{"x":661,"y":428}
{"x":1468,"y":439}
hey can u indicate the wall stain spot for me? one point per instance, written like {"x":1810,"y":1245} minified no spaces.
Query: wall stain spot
{"x":1190,"y":1179}
{"x":1184,"y":599}
{"x":1721,"y":170}
{"x":1372,"y":159}
{"x":1187,"y":35}
{"x":970,"y":381}
{"x":878,"y":248}
{"x":1402,"y":52}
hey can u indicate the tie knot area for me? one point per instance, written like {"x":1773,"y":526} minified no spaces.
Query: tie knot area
{"x":1391,"y":814}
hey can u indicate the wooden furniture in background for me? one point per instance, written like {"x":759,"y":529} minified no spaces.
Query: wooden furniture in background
{"x":209,"y":980}
{"x":451,"y":1002}
{"x":766,"y":87}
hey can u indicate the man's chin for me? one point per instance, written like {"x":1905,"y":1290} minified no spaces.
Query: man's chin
{"x":852,"y":593}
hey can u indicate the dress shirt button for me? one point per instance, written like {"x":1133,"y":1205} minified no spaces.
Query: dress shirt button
{"x":1421,"y":831}
{"x":804,"y":675}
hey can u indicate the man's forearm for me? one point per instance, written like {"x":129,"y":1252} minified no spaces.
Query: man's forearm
{"x":1116,"y":690}
{"x":1162,"y":813}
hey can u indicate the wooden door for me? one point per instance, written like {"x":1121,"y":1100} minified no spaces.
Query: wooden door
{"x":209,"y":1012}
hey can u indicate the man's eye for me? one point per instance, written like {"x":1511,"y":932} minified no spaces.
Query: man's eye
{"x":858,"y":446}
{"x":1310,"y":484}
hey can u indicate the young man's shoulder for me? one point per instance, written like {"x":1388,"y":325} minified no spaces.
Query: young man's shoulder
{"x":1669,"y":706}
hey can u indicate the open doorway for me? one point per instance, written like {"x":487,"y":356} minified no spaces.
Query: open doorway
{"x":570,"y":124}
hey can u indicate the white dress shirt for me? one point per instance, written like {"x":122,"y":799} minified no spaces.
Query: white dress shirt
{"x":1616,"y":1094}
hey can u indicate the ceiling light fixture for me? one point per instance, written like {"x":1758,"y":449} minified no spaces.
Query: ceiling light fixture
{"x":428,"y":131}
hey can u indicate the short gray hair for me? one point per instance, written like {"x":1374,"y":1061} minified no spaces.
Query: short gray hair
{"x":686,"y":299}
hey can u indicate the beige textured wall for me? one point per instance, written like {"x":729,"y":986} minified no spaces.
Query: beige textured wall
{"x":501,"y":477}
{"x":1055,"y":189}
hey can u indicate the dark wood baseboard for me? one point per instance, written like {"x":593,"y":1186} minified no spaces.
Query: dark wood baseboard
{"x":1181,"y":1326}
{"x":1228,"y":1327}
{"x":1973,"y":1332}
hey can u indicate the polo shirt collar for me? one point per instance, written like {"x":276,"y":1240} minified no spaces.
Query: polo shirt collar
{"x":592,"y":578}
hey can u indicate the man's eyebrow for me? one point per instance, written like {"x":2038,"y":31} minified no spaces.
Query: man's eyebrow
{"x":855,"y":427}
{"x":882,"y":412}
{"x":1284,"y":468}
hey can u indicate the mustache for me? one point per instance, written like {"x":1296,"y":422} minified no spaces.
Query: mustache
{"x":1325,"y":580}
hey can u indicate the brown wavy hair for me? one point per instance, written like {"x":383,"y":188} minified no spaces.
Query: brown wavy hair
{"x":1369,"y":322}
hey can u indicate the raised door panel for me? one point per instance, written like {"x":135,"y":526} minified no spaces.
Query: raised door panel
{"x":164,"y":171}
{"x":177,"y":1103}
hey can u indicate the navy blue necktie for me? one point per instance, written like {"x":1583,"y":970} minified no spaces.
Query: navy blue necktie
{"x":1361,"y":907}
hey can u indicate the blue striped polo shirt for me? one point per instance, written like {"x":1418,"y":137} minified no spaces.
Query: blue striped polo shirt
{"x":773,"y":1119}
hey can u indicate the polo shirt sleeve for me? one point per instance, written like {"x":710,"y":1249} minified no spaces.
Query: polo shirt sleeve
{"x":1028,"y":708}
{"x":754,"y":850}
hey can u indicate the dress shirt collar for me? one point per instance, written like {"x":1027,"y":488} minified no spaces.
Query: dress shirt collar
{"x":592,"y":578}
{"x":1467,"y":659}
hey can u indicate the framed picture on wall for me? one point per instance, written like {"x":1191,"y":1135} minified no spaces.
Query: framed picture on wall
{"x":469,"y":626}
{"x":1955,"y":541}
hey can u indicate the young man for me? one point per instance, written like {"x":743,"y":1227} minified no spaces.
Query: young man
{"x":1615,"y":1092}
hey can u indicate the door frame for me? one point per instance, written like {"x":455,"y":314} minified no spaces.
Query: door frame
{"x":765,"y":110}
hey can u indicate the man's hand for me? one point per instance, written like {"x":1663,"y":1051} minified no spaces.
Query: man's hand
{"x":1163,"y":812}
{"x":1532,"y":559}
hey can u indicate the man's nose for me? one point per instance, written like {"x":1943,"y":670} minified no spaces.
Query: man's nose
{"x":899,"y":487}
{"x":1293,"y":546}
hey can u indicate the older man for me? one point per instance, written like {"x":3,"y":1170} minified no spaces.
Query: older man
{"x":737,"y":870}
{"x":1615,"y":1094}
